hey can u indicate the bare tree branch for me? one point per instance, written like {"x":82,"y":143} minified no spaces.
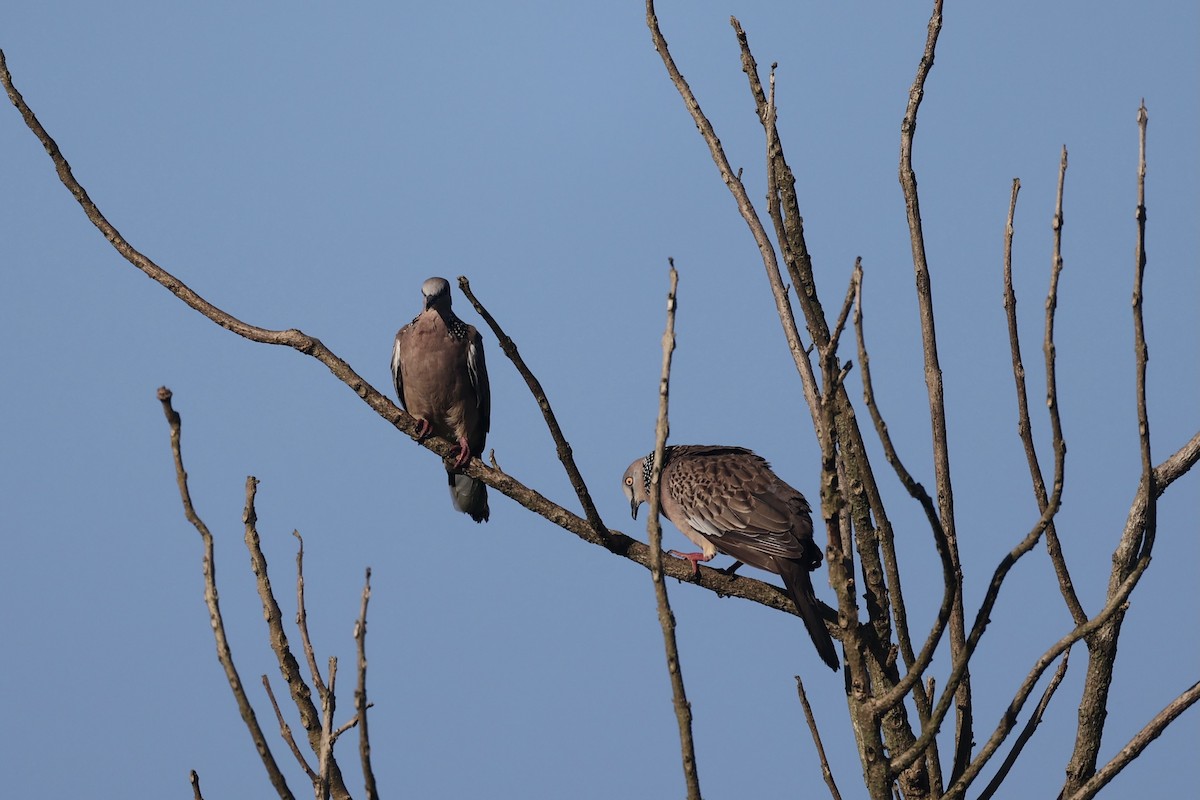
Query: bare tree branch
{"x":962,"y":659}
{"x":285,"y":731}
{"x":1024,"y":428}
{"x":1138,"y":743}
{"x":302,"y":619}
{"x":917,"y":664}
{"x":1026,"y":734}
{"x":865,"y":502}
{"x":713,"y":580}
{"x":1141,"y":352}
{"x":1165,"y":474}
{"x":963,"y":734}
{"x":1137,"y":540}
{"x":826,"y":772}
{"x":1058,"y":442}
{"x":289,"y":668}
{"x":345,"y":726}
{"x":767,"y":112}
{"x":329,"y":768}
{"x":195,"y":781}
{"x":560,"y":442}
{"x":745,"y":207}
{"x":683,"y":709}
{"x":360,"y":693}
{"x":808,"y":381}
{"x":224,"y":654}
{"x":894,"y":758}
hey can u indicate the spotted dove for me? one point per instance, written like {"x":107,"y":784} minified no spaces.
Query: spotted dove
{"x":441,"y":379}
{"x":727,"y":500}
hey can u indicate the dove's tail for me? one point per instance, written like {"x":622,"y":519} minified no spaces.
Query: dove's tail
{"x":799,"y":586}
{"x":469,"y":496}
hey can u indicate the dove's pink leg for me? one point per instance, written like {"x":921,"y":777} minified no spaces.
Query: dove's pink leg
{"x":695,"y":558}
{"x":464,"y":453}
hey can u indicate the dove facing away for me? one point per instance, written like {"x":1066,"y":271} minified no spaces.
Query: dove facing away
{"x":441,"y":379}
{"x":727,"y":500}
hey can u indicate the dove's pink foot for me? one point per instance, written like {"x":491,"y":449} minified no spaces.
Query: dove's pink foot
{"x":695,"y":558}
{"x":464,"y":453}
{"x":424,"y":428}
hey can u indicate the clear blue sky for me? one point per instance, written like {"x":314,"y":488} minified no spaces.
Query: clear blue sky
{"x":305,"y":166}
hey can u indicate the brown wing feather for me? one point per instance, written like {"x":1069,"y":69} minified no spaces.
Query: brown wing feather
{"x":731,"y":497}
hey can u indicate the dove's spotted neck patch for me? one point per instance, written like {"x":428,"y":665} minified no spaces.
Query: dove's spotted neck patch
{"x":454,"y":326}
{"x":647,"y":468}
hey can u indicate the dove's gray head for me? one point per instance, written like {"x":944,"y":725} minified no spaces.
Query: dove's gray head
{"x":636,"y":483}
{"x":436,"y":292}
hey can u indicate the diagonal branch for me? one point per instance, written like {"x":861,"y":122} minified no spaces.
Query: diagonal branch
{"x":1027,"y":732}
{"x":285,"y":731}
{"x":620,"y":544}
{"x":683,"y":709}
{"x":224,"y":654}
{"x":535,"y":386}
{"x":1139,"y":742}
{"x":745,"y":208}
{"x":289,"y":668}
{"x":1166,"y":473}
{"x":962,"y":657}
{"x":826,"y":772}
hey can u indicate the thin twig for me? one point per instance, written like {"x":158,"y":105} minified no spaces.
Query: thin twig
{"x":302,"y":619}
{"x":852,"y":292}
{"x":808,"y":380}
{"x":1026,"y":733}
{"x":285,"y":731}
{"x":745,"y":207}
{"x":933,"y":382}
{"x":683,"y":709}
{"x":349,"y":724}
{"x":1024,"y":427}
{"x":1141,"y":351}
{"x":962,"y":657}
{"x":360,"y":693}
{"x":1137,"y":540}
{"x":1166,"y":473}
{"x":289,"y":668}
{"x":329,"y":768}
{"x":826,"y":772}
{"x":224,"y":653}
{"x":535,"y":387}
{"x":1058,"y":443}
{"x":1138,"y":743}
{"x":194,"y":778}
{"x":915,"y":663}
